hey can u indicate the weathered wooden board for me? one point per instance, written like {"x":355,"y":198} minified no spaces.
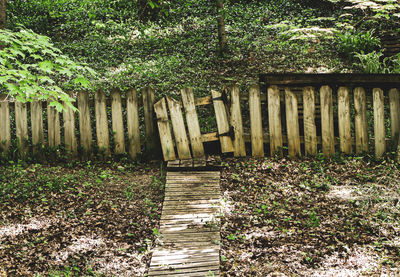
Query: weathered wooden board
{"x":344,"y":120}
{"x":379,"y":122}
{"x":85,"y":128}
{"x":192,"y":123}
{"x":257,"y":143}
{"x":222,"y":122}
{"x":236,"y":122}
{"x":132,"y":121}
{"x":53,"y":126}
{"x":117,"y":122}
{"x":69,"y":131}
{"x":37,"y":126}
{"x":310,"y":129}
{"x":274,"y":119}
{"x":103,"y":137}
{"x":394,"y":103}
{"x":164,"y":129}
{"x":178,"y":127}
{"x":21,"y":124}
{"x":150,"y":131}
{"x":292,"y":123}
{"x":327,"y":131}
{"x":5,"y":127}
{"x":360,"y":106}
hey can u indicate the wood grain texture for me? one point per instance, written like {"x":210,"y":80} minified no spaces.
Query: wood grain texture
{"x":327,"y":131}
{"x":37,"y":126}
{"x":69,"y":131}
{"x":274,"y":120}
{"x":164,"y":130}
{"x":394,"y":104}
{"x":103,"y":137}
{"x":257,"y":142}
{"x":310,"y":129}
{"x":132,"y":121}
{"x":379,"y":122}
{"x":178,"y":127}
{"x":85,"y":128}
{"x":117,"y":122}
{"x":192,"y":123}
{"x":21,"y":125}
{"x":53,"y":126}
{"x":150,"y":131}
{"x":222,"y":123}
{"x":292,"y":123}
{"x":236,"y":122}
{"x":5,"y":126}
{"x":344,"y":120}
{"x":360,"y":106}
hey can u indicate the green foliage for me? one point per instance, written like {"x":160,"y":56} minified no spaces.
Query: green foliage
{"x":32,"y":68}
{"x":375,"y":63}
{"x":352,"y":42}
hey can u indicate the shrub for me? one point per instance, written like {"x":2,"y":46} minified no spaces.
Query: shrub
{"x":352,"y":42}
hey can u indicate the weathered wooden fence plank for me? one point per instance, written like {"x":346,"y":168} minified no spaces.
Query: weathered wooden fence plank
{"x":85,"y":128}
{"x":53,"y":126}
{"x":310,"y":129}
{"x":21,"y":124}
{"x":292,"y":123}
{"x":236,"y":122}
{"x":167,"y":144}
{"x":150,"y":131}
{"x":344,"y":120}
{"x":394,"y":103}
{"x":132,"y":121}
{"x":103,"y":137}
{"x":222,"y":122}
{"x":257,"y":142}
{"x":69,"y":131}
{"x":178,"y":127}
{"x":5,"y":126}
{"x":37,"y":126}
{"x":360,"y":106}
{"x":274,"y":119}
{"x":192,"y":123}
{"x":117,"y":122}
{"x":327,"y":131}
{"x":379,"y":122}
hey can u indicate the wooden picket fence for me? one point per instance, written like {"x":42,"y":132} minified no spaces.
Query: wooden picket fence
{"x":62,"y":129}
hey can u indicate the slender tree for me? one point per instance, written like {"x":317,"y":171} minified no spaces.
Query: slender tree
{"x":3,"y":14}
{"x":221,"y":27}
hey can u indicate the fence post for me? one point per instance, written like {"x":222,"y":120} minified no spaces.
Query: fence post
{"x":103,"y":138}
{"x":292,"y":123}
{"x":37,"y":126}
{"x":85,"y":128}
{"x":21,"y":124}
{"x":117,"y":122}
{"x":310,"y":129}
{"x":150,"y":131}
{"x":5,"y":128}
{"x":379,"y":122}
{"x":328,"y":135}
{"x":132,"y":113}
{"x":360,"y":106}
{"x":69,"y":131}
{"x":164,"y":129}
{"x":236,"y":122}
{"x":274,"y":119}
{"x":394,"y":103}
{"x":222,"y":122}
{"x":257,"y":139}
{"x":344,"y":120}
{"x":53,"y":126}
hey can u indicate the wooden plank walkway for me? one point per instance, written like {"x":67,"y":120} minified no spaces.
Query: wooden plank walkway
{"x":189,"y":226}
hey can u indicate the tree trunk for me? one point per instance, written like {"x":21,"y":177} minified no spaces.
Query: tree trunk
{"x":3,"y":14}
{"x":221,"y":27}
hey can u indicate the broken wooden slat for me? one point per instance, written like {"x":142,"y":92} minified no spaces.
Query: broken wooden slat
{"x":344,"y":120}
{"x":236,"y":122}
{"x":222,"y":122}
{"x":103,"y":138}
{"x":257,"y":143}
{"x":292,"y":123}
{"x":132,"y":121}
{"x":5,"y":127}
{"x":394,"y":103}
{"x":164,"y":129}
{"x":274,"y":119}
{"x":69,"y":131}
{"x":53,"y":126}
{"x":310,"y":129}
{"x":360,"y":106}
{"x":178,"y":127}
{"x":327,"y":131}
{"x":192,"y":123}
{"x":379,"y":122}
{"x":85,"y":128}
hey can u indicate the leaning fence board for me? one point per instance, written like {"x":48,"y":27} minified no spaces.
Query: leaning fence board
{"x":53,"y":126}
{"x":394,"y":103}
{"x":344,"y":120}
{"x":132,"y":121}
{"x":360,"y":107}
{"x":274,"y":119}
{"x":292,"y":123}
{"x":178,"y":127}
{"x":69,"y":130}
{"x":192,"y":123}
{"x":103,"y":138}
{"x":379,"y":122}
{"x":327,"y":131}
{"x":236,"y":121}
{"x":167,"y":144}
{"x":150,"y":131}
{"x":85,"y":128}
{"x":37,"y":125}
{"x":117,"y":122}
{"x":310,"y":129}
{"x":5,"y":128}
{"x":257,"y":143}
{"x":21,"y":124}
{"x":222,"y":122}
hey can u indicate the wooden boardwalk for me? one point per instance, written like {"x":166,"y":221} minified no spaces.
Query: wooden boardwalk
{"x":189,"y":226}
